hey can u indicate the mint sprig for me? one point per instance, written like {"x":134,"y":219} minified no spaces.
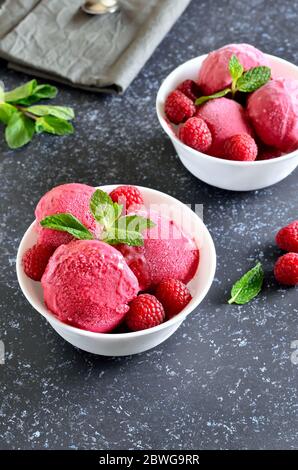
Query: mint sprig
{"x":248,"y":286}
{"x":115,"y":228}
{"x":23,"y":119}
{"x":245,"y":82}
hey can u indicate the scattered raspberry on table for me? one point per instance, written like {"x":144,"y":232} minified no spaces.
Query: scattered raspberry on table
{"x":287,"y":237}
{"x":286,"y":269}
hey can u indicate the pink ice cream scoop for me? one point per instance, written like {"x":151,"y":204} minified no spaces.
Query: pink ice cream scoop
{"x":88,"y":284}
{"x":224,"y":118}
{"x":214,"y":73}
{"x":73,"y":198}
{"x":167,"y":253}
{"x":273,"y":110}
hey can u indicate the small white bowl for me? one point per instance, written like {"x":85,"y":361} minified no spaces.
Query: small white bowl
{"x":121,"y":344}
{"x":226,"y":174}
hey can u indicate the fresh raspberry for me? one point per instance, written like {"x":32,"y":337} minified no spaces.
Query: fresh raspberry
{"x":286,"y":269}
{"x":178,"y":107}
{"x":145,"y":312}
{"x":287,"y":237}
{"x":174,"y":296}
{"x":190,"y":89}
{"x":196,"y":134}
{"x":35,"y":260}
{"x":129,"y":196}
{"x":240,"y":147}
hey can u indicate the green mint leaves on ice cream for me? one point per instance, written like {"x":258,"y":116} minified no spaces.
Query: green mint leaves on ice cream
{"x":115,"y":228}
{"x":245,"y":82}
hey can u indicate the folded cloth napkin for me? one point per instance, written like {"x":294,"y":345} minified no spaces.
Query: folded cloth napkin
{"x":55,"y":39}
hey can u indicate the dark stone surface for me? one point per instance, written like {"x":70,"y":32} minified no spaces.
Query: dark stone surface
{"x":225,"y":379}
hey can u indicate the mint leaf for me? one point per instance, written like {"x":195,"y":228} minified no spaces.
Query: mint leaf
{"x":135,"y":223}
{"x":41,"y":92}
{"x":20,"y":92}
{"x":128,"y":230}
{"x":6,"y":111}
{"x":236,"y":71}
{"x":248,"y":287}
{"x":104,"y":210}
{"x":115,"y":235}
{"x":253,"y":79}
{"x":67,"y":223}
{"x":45,"y":91}
{"x":53,"y":125}
{"x":19,"y":130}
{"x":219,"y":94}
{"x":235,"y":68}
{"x":57,"y":111}
{"x":117,"y":229}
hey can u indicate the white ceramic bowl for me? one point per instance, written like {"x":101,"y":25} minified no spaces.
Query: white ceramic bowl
{"x":110,"y":344}
{"x":225,"y":174}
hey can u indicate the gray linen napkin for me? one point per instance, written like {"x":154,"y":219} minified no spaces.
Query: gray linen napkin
{"x":55,"y":39}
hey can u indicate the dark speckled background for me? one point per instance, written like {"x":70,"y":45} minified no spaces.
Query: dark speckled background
{"x":225,"y":379}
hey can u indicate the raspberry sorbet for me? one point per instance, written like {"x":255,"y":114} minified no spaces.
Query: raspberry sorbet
{"x":88,"y":284}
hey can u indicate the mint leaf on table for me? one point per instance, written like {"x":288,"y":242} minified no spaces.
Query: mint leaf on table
{"x":6,"y":111}
{"x":53,"y":125}
{"x":219,"y":94}
{"x":19,"y":131}
{"x":67,"y":223}
{"x":20,"y":92}
{"x":253,"y":79}
{"x":23,"y":118}
{"x":30,"y":93}
{"x":61,"y":112}
{"x":248,"y":286}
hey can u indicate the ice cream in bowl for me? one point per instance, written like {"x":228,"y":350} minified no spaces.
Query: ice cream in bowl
{"x":232,"y":116}
{"x":115,"y":269}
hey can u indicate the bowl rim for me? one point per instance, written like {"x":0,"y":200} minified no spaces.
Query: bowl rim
{"x":179,"y":317}
{"x":164,"y":124}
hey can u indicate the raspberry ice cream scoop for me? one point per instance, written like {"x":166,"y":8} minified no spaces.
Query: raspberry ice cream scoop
{"x":73,"y":198}
{"x":225,"y":118}
{"x":167,"y":253}
{"x":214,"y":73}
{"x":273,"y":111}
{"x":88,"y":284}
